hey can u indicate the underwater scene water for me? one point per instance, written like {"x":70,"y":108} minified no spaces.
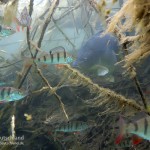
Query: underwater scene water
{"x":74,"y":74}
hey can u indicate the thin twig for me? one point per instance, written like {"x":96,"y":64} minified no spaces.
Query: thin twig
{"x":51,"y":90}
{"x":137,"y":83}
{"x":30,"y":13}
{"x":63,"y":34}
{"x":47,"y":21}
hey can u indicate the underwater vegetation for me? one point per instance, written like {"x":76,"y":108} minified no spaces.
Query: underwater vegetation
{"x":77,"y":81}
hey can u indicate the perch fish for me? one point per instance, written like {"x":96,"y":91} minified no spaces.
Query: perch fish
{"x":75,"y":126}
{"x":140,"y":128}
{"x":98,"y":54}
{"x":8,"y":94}
{"x":55,"y":56}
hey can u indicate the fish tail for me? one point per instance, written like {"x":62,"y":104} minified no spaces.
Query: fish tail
{"x":122,"y":127}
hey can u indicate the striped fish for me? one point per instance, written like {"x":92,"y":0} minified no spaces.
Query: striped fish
{"x":8,"y":94}
{"x":57,"y":55}
{"x":140,"y":128}
{"x":75,"y":126}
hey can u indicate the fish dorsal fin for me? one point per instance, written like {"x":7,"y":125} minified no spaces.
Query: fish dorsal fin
{"x":136,"y":140}
{"x":58,"y":51}
{"x":138,"y":116}
{"x":53,"y":51}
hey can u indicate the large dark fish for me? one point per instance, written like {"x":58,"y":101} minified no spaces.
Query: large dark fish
{"x":98,"y":53}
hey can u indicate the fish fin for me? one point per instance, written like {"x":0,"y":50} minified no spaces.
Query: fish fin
{"x":59,"y":66}
{"x":44,"y":65}
{"x":136,"y":140}
{"x":110,"y":78}
{"x":138,"y":116}
{"x":102,"y":70}
{"x":118,"y":139}
{"x":122,"y":127}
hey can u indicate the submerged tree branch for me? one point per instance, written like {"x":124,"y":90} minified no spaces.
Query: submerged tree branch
{"x":51,"y":90}
{"x":112,"y":96}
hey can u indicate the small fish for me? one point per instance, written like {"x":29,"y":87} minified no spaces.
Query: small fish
{"x":28,"y":117}
{"x":6,"y":31}
{"x":25,"y":19}
{"x":8,"y":94}
{"x":56,"y":56}
{"x":140,"y":129}
{"x":75,"y":126}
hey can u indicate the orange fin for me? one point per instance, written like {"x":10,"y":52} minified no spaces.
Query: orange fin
{"x":59,"y":66}
{"x":118,"y":139}
{"x":18,"y":28}
{"x":136,"y":140}
{"x":122,"y":127}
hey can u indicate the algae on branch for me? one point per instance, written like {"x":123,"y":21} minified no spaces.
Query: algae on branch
{"x":136,"y":16}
